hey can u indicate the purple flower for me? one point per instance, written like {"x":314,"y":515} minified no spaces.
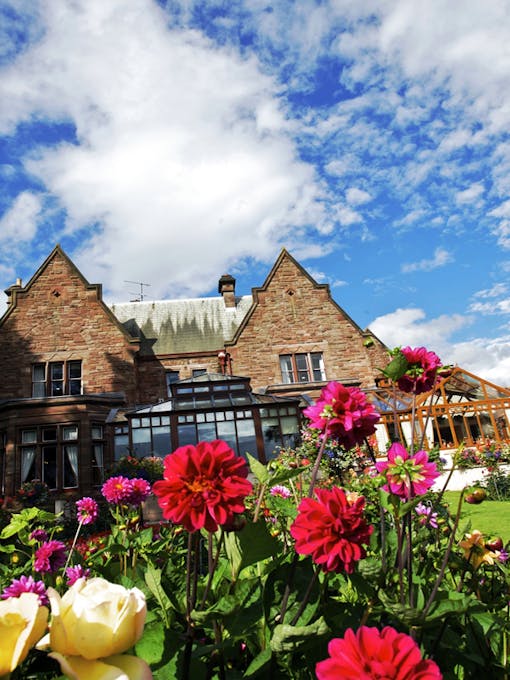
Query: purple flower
{"x":87,"y":510}
{"x":503,"y":556}
{"x":74,"y":573}
{"x":26,"y":584}
{"x":50,"y":557}
{"x":426,"y":516}
{"x":39,"y":535}
{"x":140,"y":489}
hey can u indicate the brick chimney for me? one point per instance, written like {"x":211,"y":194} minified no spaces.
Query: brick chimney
{"x":227,"y":289}
{"x":16,"y":286}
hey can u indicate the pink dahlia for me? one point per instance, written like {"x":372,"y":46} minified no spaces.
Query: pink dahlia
{"x":87,"y":510}
{"x":74,"y":573}
{"x":369,"y":653}
{"x":50,"y":557}
{"x":204,"y":486}
{"x":346,"y":414}
{"x":332,"y":529}
{"x":407,"y":476}
{"x":140,"y":490}
{"x":26,"y":584}
{"x":117,"y":490}
{"x":421,"y":371}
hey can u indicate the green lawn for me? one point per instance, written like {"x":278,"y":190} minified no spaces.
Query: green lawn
{"x":492,"y":518}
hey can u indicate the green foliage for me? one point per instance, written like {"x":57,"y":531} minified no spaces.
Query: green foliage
{"x":242,"y":604}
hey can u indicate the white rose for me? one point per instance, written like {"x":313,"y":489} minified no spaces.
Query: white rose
{"x":96,"y":619}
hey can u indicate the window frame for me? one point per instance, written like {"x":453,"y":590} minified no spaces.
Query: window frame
{"x":302,"y":367}
{"x":57,"y":378}
{"x":48,"y":445}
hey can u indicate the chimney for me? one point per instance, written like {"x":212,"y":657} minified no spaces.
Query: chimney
{"x":9,"y":291}
{"x":227,"y":289}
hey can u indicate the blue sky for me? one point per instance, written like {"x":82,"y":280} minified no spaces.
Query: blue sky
{"x":172,"y":142}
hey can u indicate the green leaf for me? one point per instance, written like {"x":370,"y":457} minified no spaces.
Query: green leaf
{"x":259,"y":663}
{"x":397,"y":367}
{"x":258,"y":469}
{"x":252,"y":544}
{"x":151,"y":646}
{"x":283,"y":475}
{"x":153,"y":581}
{"x":290,"y":638}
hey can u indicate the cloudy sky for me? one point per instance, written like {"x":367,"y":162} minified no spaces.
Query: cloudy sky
{"x":171,"y":142}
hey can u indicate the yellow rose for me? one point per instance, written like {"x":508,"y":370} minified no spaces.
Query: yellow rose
{"x":119,"y":667}
{"x":96,"y":619}
{"x":22,"y":624}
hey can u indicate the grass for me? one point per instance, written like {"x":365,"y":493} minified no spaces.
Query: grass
{"x":492,"y":518}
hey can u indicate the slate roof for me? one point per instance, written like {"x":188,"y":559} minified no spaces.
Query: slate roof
{"x":179,"y":326}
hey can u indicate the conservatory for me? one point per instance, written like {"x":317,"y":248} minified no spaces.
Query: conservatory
{"x":462,"y":409}
{"x":206,"y":407}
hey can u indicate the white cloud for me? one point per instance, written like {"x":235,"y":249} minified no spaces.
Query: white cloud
{"x":347,"y":216}
{"x":357,"y":196}
{"x":470,"y":194}
{"x":19,"y":223}
{"x":441,"y":257}
{"x":493,"y":307}
{"x":180,"y":143}
{"x":496,"y":290}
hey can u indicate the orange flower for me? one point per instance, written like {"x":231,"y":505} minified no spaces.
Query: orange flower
{"x":475,"y":551}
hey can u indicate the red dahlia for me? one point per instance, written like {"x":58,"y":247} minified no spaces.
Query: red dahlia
{"x":332,"y":529}
{"x":203,"y":485}
{"x":370,"y":653}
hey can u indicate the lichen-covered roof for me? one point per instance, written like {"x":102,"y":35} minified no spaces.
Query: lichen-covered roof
{"x":178,"y":326}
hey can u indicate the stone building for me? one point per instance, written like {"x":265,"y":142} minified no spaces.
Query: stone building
{"x":82,"y":383}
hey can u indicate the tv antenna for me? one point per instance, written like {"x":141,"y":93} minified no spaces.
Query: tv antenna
{"x":138,"y":283}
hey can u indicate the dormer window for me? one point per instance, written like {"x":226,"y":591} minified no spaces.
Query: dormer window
{"x":56,"y":378}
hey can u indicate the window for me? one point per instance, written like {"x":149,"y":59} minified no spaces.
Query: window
{"x":151,"y":436}
{"x":50,"y":454}
{"x":280,"y":428}
{"x":237,"y":428}
{"x":56,"y":378}
{"x":171,"y":377}
{"x":198,"y":371}
{"x":97,"y":436}
{"x":302,"y":368}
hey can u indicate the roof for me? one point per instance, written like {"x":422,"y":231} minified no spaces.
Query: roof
{"x":181,"y":326}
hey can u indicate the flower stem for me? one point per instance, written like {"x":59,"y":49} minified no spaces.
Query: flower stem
{"x":446,"y":557}
{"x":305,"y":599}
{"x":80,"y":523}
{"x":315,"y":470}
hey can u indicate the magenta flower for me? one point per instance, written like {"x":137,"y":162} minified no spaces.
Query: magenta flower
{"x":50,"y":557}
{"x":26,"y":584}
{"x":407,"y":476}
{"x":117,"y":490}
{"x":426,"y":516}
{"x":280,"y":490}
{"x":140,"y":490}
{"x":39,"y":535}
{"x":345,"y":413}
{"x":87,"y":510}
{"x":74,"y":573}
{"x":421,"y":370}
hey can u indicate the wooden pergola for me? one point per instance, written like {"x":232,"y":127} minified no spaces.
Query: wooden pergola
{"x":461,"y":409}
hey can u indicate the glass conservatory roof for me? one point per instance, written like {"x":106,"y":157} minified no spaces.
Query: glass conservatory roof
{"x":459,"y":387}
